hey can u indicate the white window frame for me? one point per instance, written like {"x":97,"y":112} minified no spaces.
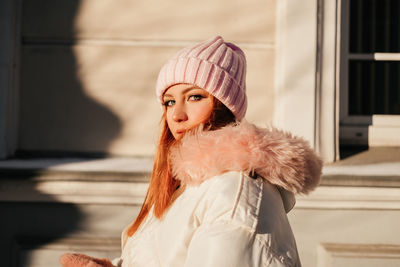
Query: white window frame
{"x":307,"y":44}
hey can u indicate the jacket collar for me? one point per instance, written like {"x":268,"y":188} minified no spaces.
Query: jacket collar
{"x":279,"y":157}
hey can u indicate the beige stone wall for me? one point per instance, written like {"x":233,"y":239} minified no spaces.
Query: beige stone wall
{"x":346,"y":237}
{"x":89,"y":67}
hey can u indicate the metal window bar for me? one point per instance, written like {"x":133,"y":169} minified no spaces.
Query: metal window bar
{"x":375,"y":56}
{"x":372,"y":80}
{"x":386,"y":80}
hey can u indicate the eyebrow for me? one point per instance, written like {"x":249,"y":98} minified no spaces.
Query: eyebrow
{"x":185,"y":91}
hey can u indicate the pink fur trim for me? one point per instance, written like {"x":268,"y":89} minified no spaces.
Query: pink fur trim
{"x":277,"y":156}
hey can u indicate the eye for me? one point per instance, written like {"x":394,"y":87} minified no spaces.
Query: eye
{"x":196,"y":97}
{"x":169,"y":103}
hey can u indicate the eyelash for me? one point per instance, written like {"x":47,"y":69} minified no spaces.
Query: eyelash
{"x":197,"y":98}
{"x":166,"y":103}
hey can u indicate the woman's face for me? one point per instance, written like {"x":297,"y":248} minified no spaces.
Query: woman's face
{"x":186,"y":107}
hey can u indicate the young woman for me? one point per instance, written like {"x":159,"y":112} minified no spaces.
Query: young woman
{"x":220,"y":187}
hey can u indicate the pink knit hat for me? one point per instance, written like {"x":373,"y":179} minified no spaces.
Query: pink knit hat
{"x":214,"y":65}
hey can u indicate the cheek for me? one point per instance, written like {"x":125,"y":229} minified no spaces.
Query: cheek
{"x":201,"y":113}
{"x":168,"y":116}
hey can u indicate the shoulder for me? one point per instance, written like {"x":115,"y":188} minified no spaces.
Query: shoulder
{"x":235,"y":198}
{"x":247,"y":216}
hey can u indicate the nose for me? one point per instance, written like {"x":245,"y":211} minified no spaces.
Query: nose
{"x":179,"y":114}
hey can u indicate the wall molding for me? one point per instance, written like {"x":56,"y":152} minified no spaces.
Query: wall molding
{"x":133,"y":193}
{"x":131,"y":42}
{"x":39,"y":251}
{"x":348,"y":198}
{"x":76,"y":192}
{"x":125,"y":181}
{"x":328,"y":253}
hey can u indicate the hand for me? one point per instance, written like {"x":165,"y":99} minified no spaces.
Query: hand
{"x":81,"y":260}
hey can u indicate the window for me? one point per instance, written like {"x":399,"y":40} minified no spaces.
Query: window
{"x":370,"y":69}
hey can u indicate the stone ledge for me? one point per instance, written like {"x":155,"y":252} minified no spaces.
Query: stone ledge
{"x":353,"y":198}
{"x":376,"y":167}
{"x":77,"y":169}
{"x":60,"y":175}
{"x":75,"y":180}
{"x":119,"y":164}
{"x":46,"y":252}
{"x":78,"y":192}
{"x":372,"y":185}
{"x":360,"y":180}
{"x":71,"y":243}
{"x":370,"y":175}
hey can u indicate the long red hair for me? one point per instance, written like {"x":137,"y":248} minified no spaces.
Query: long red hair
{"x":162,"y":184}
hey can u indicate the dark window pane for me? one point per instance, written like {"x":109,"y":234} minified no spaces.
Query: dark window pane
{"x":374,"y":87}
{"x":374,"y":26}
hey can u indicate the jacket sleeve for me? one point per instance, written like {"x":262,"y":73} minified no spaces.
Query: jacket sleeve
{"x":227,"y":245}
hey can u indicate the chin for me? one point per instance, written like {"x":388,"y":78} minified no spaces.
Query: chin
{"x":178,"y":136}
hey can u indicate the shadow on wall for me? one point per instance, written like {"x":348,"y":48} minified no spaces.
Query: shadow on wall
{"x":28,"y":227}
{"x":30,"y":220}
{"x":56,"y":116}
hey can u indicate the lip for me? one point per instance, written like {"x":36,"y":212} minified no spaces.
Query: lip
{"x":180,"y":131}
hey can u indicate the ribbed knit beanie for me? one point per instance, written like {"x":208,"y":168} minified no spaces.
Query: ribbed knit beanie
{"x":213,"y":65}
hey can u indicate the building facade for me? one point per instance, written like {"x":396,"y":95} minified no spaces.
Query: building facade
{"x":79,"y":117}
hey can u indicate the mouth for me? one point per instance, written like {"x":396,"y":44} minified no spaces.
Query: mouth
{"x":180,"y":131}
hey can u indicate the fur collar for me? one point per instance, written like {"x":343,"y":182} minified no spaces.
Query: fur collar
{"x":282,"y":159}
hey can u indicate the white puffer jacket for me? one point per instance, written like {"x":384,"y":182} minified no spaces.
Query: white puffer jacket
{"x":223,"y":214}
